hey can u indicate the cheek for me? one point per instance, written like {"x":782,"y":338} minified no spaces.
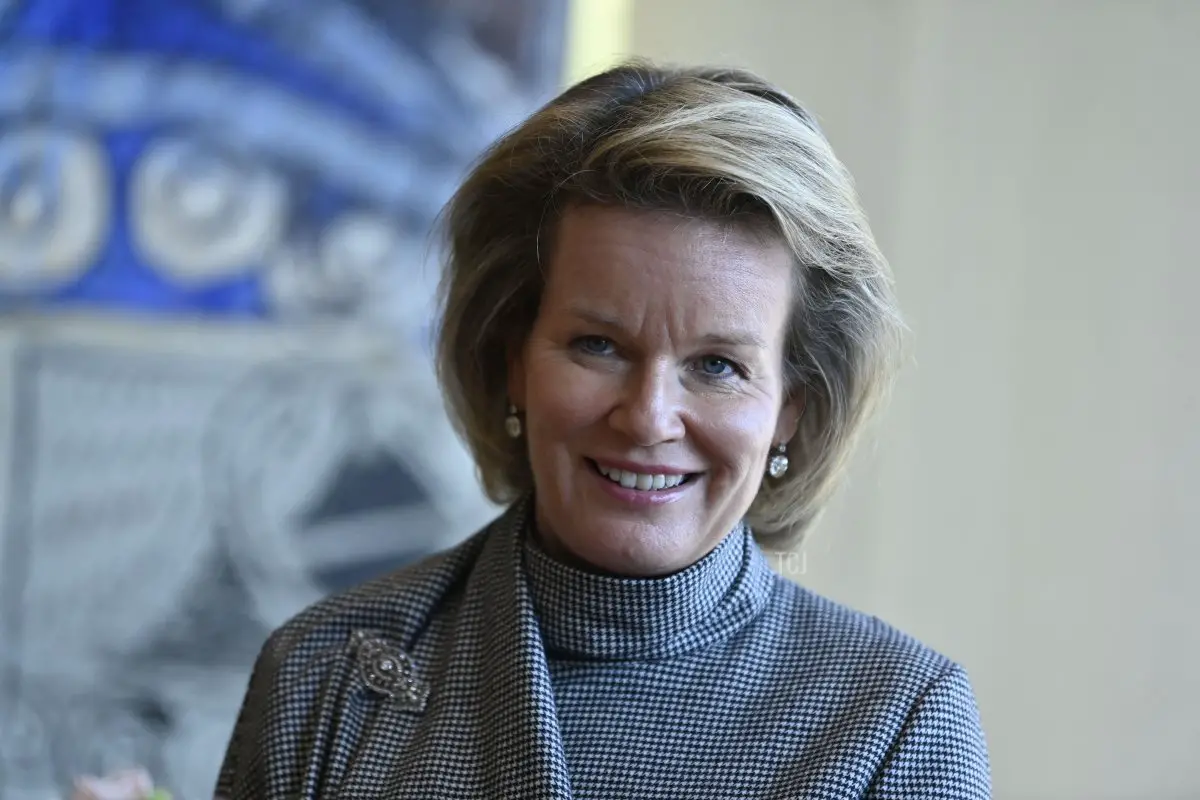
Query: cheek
{"x":562,"y":396}
{"x":737,"y":436}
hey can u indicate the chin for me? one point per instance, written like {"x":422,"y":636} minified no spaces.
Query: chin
{"x":636,"y":551}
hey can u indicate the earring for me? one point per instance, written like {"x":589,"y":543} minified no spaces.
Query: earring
{"x":512,"y":423}
{"x":777,"y":464}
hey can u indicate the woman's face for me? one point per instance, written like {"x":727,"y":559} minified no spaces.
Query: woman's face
{"x":652,"y":386}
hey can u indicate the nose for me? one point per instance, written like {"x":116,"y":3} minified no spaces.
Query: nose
{"x":649,"y":410}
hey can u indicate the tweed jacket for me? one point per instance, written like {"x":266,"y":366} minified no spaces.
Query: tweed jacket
{"x":493,"y":671}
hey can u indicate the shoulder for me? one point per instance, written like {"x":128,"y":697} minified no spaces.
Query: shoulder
{"x":308,"y":654}
{"x":836,"y":638}
{"x":905,"y":711}
{"x":889,"y":710}
{"x":397,"y":605}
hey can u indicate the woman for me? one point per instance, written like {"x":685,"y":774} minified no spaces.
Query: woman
{"x":665,"y":321}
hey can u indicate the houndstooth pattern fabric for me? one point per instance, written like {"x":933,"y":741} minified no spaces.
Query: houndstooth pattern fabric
{"x":548,"y":683}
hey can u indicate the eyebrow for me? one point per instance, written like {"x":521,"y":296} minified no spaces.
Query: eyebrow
{"x":735,"y":338}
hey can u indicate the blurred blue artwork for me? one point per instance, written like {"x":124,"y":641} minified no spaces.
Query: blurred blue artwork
{"x":246,"y":158}
{"x":216,"y":401}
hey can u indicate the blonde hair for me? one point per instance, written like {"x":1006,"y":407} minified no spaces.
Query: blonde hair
{"x":719,"y":144}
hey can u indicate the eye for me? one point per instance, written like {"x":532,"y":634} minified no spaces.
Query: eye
{"x":594,"y":345}
{"x":716,"y":367}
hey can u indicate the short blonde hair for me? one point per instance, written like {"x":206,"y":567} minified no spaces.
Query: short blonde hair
{"x":719,"y":144}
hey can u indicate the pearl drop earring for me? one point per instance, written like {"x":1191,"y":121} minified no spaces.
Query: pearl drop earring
{"x":512,"y":423}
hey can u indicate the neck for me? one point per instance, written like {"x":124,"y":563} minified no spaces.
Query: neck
{"x":586,"y":613}
{"x":553,"y":546}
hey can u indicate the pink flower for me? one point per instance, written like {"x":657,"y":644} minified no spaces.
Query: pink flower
{"x":129,"y":784}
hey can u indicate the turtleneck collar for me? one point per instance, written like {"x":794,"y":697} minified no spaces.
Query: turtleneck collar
{"x":598,"y":617}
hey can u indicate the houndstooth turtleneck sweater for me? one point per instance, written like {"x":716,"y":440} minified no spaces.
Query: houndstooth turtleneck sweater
{"x":494,"y":671}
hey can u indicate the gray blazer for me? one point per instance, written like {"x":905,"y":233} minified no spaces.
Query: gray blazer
{"x":491,"y":671}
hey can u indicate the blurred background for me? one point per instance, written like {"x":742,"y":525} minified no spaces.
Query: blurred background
{"x":216,"y":401}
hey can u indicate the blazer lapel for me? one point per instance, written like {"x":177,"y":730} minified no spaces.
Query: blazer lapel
{"x":523,"y":747}
{"x":488,"y":727}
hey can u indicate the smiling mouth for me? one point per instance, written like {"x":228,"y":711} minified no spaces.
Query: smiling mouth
{"x":644,"y":482}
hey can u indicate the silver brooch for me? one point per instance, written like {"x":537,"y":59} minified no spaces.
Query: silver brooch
{"x":388,"y":670}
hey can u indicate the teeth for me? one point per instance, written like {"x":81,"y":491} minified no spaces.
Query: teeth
{"x":640,"y":481}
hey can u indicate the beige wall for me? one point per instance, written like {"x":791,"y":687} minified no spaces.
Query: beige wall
{"x":1032,"y":170}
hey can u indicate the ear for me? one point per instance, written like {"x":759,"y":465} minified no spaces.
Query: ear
{"x":789,"y":416}
{"x":516,"y":375}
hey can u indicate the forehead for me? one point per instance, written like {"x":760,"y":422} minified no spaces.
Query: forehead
{"x":631,"y":261}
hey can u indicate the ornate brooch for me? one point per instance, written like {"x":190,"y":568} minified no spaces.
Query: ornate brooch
{"x":388,"y":670}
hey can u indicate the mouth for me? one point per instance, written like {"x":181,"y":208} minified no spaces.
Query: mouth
{"x":640,"y":481}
